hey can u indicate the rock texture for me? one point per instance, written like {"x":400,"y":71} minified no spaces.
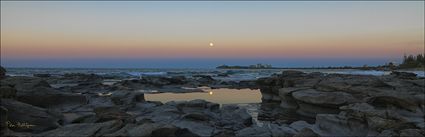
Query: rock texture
{"x":293,"y":104}
{"x":346,"y":105}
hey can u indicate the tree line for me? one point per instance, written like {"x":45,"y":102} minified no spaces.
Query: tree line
{"x":412,"y":61}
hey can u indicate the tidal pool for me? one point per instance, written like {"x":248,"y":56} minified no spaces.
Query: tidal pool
{"x":221,"y":96}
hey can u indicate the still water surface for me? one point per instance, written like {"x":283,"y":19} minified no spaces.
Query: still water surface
{"x":221,"y":96}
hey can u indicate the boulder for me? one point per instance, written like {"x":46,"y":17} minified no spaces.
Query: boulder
{"x":27,"y":118}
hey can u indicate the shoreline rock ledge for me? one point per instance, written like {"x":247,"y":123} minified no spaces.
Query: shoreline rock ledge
{"x":345,"y":105}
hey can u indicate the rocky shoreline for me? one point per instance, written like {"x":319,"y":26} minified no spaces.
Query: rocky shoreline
{"x":294,"y":104}
{"x":346,"y":105}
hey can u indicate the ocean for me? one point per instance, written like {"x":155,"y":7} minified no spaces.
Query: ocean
{"x":231,"y":74}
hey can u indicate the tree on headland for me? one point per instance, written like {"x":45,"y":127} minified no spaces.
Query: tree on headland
{"x":412,"y":61}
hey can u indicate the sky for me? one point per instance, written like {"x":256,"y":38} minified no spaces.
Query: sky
{"x":178,"y":34}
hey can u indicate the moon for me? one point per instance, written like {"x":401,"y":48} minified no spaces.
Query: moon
{"x":211,"y":44}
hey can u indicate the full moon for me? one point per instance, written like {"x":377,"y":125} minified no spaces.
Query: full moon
{"x":211,"y":44}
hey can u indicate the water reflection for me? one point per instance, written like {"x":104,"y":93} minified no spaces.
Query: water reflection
{"x":221,"y":96}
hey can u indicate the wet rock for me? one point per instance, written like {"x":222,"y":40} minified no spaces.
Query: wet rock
{"x":27,"y":118}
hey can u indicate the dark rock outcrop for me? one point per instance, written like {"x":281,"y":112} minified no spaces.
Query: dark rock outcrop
{"x":336,"y":103}
{"x":27,"y":118}
{"x":2,"y":72}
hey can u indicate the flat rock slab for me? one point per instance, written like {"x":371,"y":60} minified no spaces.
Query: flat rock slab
{"x":323,"y":98}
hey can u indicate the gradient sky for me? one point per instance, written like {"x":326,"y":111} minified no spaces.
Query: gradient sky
{"x":177,"y":34}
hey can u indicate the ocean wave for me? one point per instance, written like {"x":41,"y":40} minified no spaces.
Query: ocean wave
{"x":147,"y":73}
